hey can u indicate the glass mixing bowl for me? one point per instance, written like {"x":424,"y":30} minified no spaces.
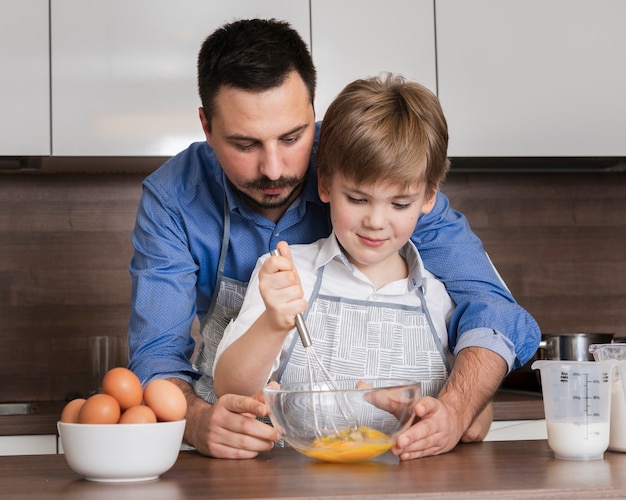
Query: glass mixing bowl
{"x":359,"y":420}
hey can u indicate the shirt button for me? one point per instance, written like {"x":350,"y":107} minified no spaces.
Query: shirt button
{"x":276,"y":234}
{"x":374,"y":297}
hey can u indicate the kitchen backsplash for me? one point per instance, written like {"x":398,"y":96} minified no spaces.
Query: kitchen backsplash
{"x":557,"y":239}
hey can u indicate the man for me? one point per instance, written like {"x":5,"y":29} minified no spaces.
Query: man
{"x":208,"y":213}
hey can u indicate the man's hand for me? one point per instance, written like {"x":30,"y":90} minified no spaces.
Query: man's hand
{"x":460,"y":412}
{"x":436,"y":431}
{"x":229,"y":428}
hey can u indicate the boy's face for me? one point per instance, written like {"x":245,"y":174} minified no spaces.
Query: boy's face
{"x":263,"y":141}
{"x":374,"y":221}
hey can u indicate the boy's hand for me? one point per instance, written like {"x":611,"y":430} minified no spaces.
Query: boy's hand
{"x":281,"y":290}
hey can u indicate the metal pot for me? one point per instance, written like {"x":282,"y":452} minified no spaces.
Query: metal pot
{"x":558,"y":346}
{"x":570,"y":346}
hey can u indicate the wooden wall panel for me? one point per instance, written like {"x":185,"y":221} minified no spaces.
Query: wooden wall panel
{"x":65,"y":247}
{"x":558,"y":240}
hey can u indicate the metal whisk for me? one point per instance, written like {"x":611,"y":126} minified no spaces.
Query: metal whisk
{"x":319,"y":377}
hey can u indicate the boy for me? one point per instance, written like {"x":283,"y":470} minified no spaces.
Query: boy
{"x":371,"y":308}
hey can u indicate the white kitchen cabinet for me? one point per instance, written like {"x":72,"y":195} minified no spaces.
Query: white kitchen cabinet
{"x":533,"y":77}
{"x":28,"y":445}
{"x":124,"y":72}
{"x":358,"y":38}
{"x":24,"y":78}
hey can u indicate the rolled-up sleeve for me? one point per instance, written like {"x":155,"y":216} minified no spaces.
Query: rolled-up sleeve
{"x":486,"y":313}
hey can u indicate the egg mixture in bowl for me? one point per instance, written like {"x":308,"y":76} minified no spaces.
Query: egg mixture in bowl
{"x":357,"y":422}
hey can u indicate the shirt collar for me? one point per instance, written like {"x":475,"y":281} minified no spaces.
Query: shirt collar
{"x":414,"y":261}
{"x":331,"y":250}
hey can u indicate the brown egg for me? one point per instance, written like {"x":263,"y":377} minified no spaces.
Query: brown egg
{"x":124,"y":386}
{"x":166,"y":399}
{"x":140,"y":414}
{"x":71,"y":409}
{"x":99,"y":409}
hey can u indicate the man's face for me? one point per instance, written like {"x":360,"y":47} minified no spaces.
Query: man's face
{"x":263,"y":141}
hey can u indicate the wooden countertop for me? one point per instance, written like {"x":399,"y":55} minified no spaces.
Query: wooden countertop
{"x":509,"y":404}
{"x":506,"y":469}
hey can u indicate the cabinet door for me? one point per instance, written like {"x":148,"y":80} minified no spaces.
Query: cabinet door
{"x":533,"y":77}
{"x":124,"y":72}
{"x":24,"y":78}
{"x":28,"y":445}
{"x":358,"y":38}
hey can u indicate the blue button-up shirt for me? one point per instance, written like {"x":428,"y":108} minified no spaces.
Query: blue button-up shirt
{"x":178,"y":237}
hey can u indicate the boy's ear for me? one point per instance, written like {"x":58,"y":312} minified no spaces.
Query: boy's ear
{"x":429,"y":204}
{"x":322,"y":188}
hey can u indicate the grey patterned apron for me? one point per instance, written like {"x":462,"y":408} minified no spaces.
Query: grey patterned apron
{"x":225,"y":305}
{"x":365,"y":339}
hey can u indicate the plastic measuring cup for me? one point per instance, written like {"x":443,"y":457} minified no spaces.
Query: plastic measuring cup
{"x":616,"y":351}
{"x":577,"y":404}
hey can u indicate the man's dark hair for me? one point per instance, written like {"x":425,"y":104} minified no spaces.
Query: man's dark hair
{"x":254,"y":55}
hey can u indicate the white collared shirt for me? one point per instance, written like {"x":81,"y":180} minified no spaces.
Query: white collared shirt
{"x":342,"y":279}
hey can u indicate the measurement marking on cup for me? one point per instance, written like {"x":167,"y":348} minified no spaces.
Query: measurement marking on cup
{"x":587,"y":408}
{"x":588,"y":411}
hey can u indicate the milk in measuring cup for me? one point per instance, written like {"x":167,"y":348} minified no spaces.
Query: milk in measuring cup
{"x":617,"y":441}
{"x":571,"y":439}
{"x":616,"y":351}
{"x":577,"y":403}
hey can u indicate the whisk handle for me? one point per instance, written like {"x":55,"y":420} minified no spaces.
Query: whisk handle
{"x":303,"y":331}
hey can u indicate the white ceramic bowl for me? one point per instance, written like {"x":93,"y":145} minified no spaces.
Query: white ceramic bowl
{"x":121,"y":452}
{"x":345,"y":425}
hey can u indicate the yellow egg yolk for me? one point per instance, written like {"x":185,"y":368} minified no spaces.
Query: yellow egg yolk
{"x":349,"y":445}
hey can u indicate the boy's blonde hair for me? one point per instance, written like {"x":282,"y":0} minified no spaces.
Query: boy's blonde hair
{"x":385,"y":129}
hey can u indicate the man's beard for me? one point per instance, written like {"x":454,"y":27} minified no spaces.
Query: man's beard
{"x":267,"y":202}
